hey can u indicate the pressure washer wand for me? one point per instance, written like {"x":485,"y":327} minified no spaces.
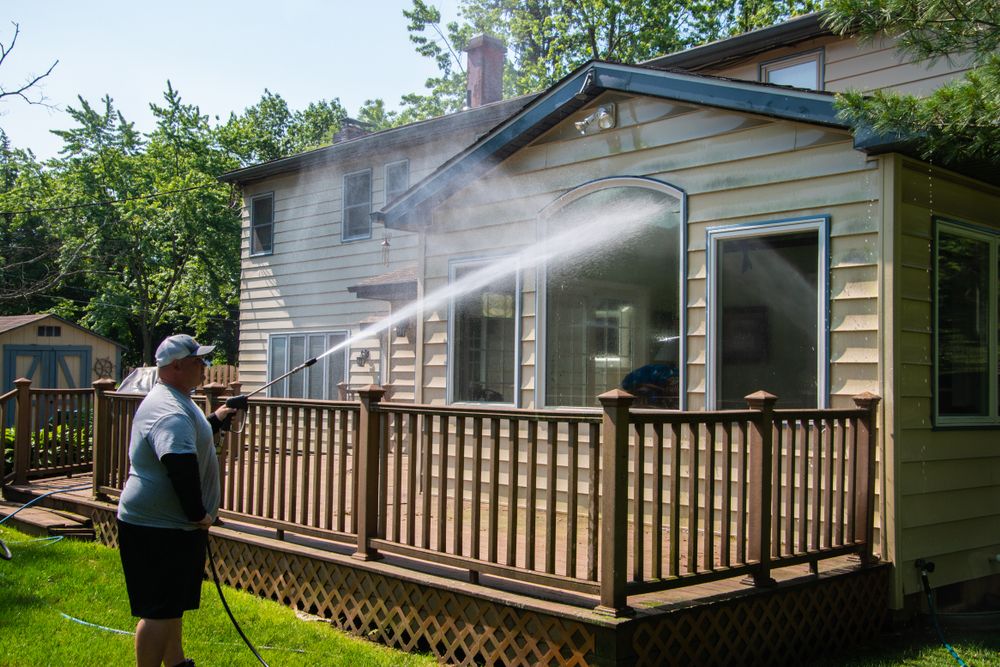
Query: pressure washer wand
{"x":241,"y":402}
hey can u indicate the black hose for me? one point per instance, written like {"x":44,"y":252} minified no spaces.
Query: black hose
{"x":218,"y":587}
{"x":926,"y":567}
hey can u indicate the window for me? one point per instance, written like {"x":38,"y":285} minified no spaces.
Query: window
{"x":397,"y":179}
{"x":262,"y":224}
{"x":286,"y":351}
{"x":49,"y":331}
{"x":357,"y":206}
{"x":767,"y":313}
{"x":967,"y":289}
{"x":804,"y":70}
{"x":612,"y":313}
{"x":485,"y":336}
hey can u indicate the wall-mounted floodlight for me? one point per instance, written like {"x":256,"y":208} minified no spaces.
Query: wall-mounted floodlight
{"x":603,"y":118}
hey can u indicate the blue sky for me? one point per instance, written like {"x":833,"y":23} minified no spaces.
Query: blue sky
{"x":218,"y":54}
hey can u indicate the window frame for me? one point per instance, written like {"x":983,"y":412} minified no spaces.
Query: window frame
{"x":991,"y":236}
{"x":253,"y":226}
{"x":818,"y":56}
{"x":344,"y":206}
{"x":385,"y":175}
{"x":454,"y":266}
{"x":541,"y":279}
{"x":713,"y":237}
{"x":273,"y":392}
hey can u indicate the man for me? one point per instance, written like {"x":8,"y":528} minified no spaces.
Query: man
{"x":170,"y":499}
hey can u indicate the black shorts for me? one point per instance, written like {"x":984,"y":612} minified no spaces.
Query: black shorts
{"x":163,"y":568}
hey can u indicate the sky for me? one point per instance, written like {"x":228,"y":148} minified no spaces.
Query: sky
{"x":218,"y":54}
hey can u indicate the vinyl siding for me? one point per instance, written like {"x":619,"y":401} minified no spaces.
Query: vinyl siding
{"x":947,"y":481}
{"x":850,"y":64}
{"x":735,"y":168}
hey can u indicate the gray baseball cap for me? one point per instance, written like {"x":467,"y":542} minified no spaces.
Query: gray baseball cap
{"x":178,"y":347}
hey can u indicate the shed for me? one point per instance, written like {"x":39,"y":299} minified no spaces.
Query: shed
{"x":53,"y":352}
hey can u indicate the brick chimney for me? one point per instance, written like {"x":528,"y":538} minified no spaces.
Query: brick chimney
{"x":485,"y":70}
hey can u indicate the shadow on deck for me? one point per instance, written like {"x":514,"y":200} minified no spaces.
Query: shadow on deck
{"x":418,"y":606}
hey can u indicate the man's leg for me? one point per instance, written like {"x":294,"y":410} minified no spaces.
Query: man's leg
{"x":158,"y":642}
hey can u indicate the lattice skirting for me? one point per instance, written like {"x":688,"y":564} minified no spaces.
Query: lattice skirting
{"x":786,"y":625}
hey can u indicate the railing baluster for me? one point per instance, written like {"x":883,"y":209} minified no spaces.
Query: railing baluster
{"x":397,"y":476}
{"x":411,"y":485}
{"x":726,"y":513}
{"x":494,"y":489}
{"x":658,"y":478}
{"x":551,"y":508}
{"x":532,"y":495}
{"x":816,"y":454}
{"x":708,"y":560}
{"x":593,"y":502}
{"x":693,"y":507}
{"x":638,"y":502}
{"x":572,"y":495}
{"x":803,"y":485}
{"x":459,"y":484}
{"x":477,"y":487}
{"x":425,"y":533}
{"x":513,"y":433}
{"x":442,"y":492}
{"x":674,"y":563}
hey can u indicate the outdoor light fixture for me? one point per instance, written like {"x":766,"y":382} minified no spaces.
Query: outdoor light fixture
{"x":363,"y":358}
{"x":603,"y":118}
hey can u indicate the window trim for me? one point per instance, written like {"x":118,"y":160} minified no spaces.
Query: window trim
{"x":713,"y":236}
{"x":305,"y":381}
{"x":343,"y":207}
{"x":385,"y":179}
{"x":268,"y":251}
{"x":815,"y":55}
{"x":992,"y":237}
{"x":454,"y":265}
{"x":541,"y":277}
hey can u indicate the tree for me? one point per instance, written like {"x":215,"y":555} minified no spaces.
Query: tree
{"x":27,"y":90}
{"x":161,"y":234}
{"x":269,"y":130}
{"x":958,"y":120}
{"x":547,"y":39}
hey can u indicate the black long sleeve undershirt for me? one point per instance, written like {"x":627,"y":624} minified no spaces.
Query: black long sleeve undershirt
{"x":182,"y":469}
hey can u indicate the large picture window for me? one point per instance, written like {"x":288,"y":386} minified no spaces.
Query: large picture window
{"x":612,"y":312}
{"x":261,"y":224}
{"x":357,"y":205}
{"x":485,"y":338}
{"x":286,"y":351}
{"x":967,"y":369}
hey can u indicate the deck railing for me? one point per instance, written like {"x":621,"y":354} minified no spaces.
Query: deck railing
{"x":601,"y":503}
{"x":53,"y":430}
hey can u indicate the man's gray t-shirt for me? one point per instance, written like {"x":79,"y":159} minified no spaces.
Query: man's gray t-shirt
{"x":167,"y":422}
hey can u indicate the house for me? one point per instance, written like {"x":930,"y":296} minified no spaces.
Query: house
{"x":748,"y":240}
{"x":53,"y":352}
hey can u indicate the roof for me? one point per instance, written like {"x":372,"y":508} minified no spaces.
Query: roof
{"x":792,"y":31}
{"x":11,"y":322}
{"x":582,"y":86}
{"x":392,"y":286}
{"x":396,"y":138}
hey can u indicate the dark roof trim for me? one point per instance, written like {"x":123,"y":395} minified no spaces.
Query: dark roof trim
{"x":717,"y":53}
{"x":582,"y":86}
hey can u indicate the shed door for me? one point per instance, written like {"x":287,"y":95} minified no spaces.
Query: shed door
{"x":51,"y":366}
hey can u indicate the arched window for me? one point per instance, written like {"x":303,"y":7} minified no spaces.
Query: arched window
{"x":612,"y":313}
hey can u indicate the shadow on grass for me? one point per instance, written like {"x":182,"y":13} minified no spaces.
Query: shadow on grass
{"x":918,"y":645}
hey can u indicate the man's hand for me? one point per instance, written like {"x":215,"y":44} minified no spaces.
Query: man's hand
{"x":205,"y":521}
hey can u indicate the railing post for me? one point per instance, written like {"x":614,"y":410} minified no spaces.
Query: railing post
{"x":234,"y":388}
{"x":864,"y":470}
{"x":101,"y":435}
{"x":761,"y":483}
{"x":367,"y":473}
{"x":614,"y":502}
{"x":212,"y":392}
{"x":22,"y":430}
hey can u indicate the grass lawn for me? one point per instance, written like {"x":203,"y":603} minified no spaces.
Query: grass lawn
{"x":47,"y":581}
